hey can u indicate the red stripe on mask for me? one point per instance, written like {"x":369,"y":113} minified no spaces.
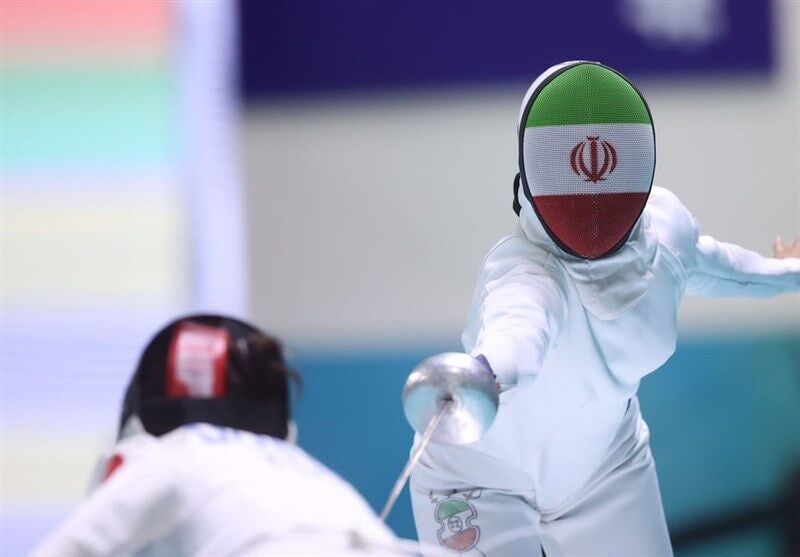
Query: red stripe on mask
{"x":590,"y":225}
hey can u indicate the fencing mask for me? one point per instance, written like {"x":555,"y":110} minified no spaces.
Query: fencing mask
{"x":586,"y":156}
{"x":211,"y":369}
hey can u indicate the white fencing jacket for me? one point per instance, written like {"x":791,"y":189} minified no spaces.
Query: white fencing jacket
{"x":576,"y":336}
{"x":212,"y":491}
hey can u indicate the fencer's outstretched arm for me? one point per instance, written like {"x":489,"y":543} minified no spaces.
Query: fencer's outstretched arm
{"x":722,"y":269}
{"x":138,"y":504}
{"x":520,"y":318}
{"x":715,"y":269}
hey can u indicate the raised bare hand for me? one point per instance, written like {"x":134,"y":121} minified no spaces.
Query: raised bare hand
{"x":789,"y":250}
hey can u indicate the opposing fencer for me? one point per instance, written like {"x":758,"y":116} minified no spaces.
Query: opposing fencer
{"x":570,"y":311}
{"x":205,"y":465}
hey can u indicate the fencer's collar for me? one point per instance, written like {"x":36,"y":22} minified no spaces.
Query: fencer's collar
{"x":610,"y":286}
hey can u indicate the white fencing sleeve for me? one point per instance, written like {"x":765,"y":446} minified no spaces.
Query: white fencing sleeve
{"x":716,"y":269}
{"x":722,"y":269}
{"x":520,"y":316}
{"x":138,"y":504}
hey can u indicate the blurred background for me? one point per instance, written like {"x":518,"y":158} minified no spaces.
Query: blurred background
{"x":335,"y":171}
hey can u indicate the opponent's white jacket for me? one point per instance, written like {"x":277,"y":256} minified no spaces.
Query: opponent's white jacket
{"x":577,"y":336}
{"x":213,"y":491}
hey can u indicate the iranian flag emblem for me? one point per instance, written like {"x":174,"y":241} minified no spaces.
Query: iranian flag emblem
{"x":456,"y":531}
{"x":588,"y":157}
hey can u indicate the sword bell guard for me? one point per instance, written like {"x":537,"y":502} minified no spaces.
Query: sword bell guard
{"x":462,"y":382}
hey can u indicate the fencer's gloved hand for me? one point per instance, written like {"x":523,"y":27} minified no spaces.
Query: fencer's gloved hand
{"x":482,"y":359}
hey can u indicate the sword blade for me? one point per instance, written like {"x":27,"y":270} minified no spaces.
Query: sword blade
{"x":444,"y":406}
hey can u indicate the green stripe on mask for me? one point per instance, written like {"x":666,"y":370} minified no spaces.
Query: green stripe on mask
{"x":588,"y":94}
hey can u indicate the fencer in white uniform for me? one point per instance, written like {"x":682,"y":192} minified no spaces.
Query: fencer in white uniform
{"x":570,"y":311}
{"x":203,"y":466}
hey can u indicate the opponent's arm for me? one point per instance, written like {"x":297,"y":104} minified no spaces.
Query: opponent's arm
{"x":136,"y":505}
{"x":722,"y":269}
{"x":521,"y":315}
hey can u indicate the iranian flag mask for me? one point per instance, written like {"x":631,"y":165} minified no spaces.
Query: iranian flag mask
{"x":587,"y":156}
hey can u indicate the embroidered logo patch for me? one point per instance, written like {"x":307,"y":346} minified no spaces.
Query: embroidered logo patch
{"x":197,"y":361}
{"x":455,"y":516}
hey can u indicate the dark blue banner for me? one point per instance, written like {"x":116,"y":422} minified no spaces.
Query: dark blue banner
{"x":308,"y":46}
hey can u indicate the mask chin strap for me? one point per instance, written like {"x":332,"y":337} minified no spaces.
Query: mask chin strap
{"x":516,"y":205}
{"x":134,"y":426}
